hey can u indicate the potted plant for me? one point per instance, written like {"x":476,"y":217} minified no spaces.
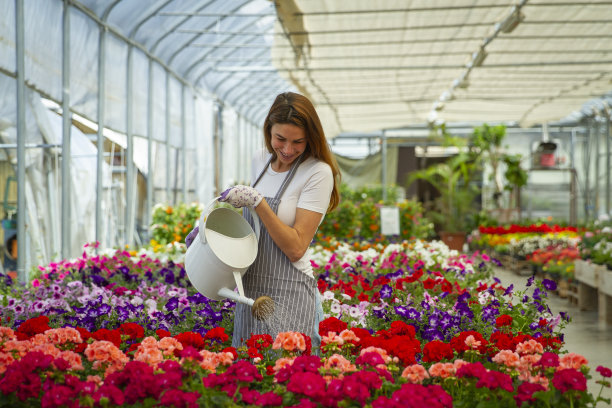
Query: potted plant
{"x":487,"y":141}
{"x":454,"y":181}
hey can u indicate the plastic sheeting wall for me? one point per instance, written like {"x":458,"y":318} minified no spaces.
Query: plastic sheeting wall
{"x":180,"y":125}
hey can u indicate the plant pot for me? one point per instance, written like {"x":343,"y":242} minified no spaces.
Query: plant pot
{"x":453,"y":240}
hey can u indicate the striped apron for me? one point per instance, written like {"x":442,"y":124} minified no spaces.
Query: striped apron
{"x":272,"y":274}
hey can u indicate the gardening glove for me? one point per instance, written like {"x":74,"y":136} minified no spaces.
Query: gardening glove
{"x":241,"y":196}
{"x":191,"y":236}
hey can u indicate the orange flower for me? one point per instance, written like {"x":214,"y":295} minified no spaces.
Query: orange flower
{"x":529,"y":347}
{"x":442,"y":370}
{"x":338,"y":362}
{"x":508,"y":358}
{"x":289,"y":341}
{"x":415,"y":373}
{"x":572,"y":360}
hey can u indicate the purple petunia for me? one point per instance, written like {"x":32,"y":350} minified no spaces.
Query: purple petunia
{"x":549,"y":284}
{"x":386,"y":292}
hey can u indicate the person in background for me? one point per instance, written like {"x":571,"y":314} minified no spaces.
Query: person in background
{"x":295,"y":183}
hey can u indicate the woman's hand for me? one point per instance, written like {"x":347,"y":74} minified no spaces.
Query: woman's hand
{"x":241,"y":196}
{"x":191,"y":236}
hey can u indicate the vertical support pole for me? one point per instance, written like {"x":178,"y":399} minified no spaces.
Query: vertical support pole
{"x":100,"y":134}
{"x":587,"y":168}
{"x":22,"y":273}
{"x":168,"y":201}
{"x":183,"y":143}
{"x":608,"y":153}
{"x":218,"y":138}
{"x":597,"y":164}
{"x":150,"y":177}
{"x":66,"y":139}
{"x":383,"y":138}
{"x":130,"y":179}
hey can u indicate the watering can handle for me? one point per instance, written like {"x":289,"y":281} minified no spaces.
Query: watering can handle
{"x":207,"y":211}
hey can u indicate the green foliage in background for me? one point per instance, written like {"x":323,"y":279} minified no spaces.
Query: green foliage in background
{"x":357,"y":217}
{"x":172,"y":224}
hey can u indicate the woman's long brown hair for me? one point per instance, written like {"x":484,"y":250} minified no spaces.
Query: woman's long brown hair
{"x":296,"y":109}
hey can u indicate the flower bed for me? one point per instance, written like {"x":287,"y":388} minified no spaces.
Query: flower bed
{"x":407,"y":324}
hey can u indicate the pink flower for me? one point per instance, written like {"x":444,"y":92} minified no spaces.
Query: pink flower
{"x":604,"y":371}
{"x":179,"y":399}
{"x":494,"y":379}
{"x":569,"y":379}
{"x":525,"y":392}
{"x":269,"y":399}
{"x":355,"y":389}
{"x":549,"y":360}
{"x":306,"y":383}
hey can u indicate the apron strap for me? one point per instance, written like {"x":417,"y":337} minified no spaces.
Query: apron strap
{"x":262,"y":172}
{"x":287,"y":179}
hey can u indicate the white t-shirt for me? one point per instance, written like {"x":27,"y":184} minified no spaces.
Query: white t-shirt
{"x":310,"y":189}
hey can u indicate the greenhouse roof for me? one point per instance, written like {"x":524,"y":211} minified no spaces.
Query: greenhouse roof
{"x":206,"y":43}
{"x":367,"y":65}
{"x":383,"y":64}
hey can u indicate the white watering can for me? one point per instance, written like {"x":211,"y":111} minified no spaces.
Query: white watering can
{"x":220,"y":254}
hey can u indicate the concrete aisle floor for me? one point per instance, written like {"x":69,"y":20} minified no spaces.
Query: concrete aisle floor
{"x":583,"y":335}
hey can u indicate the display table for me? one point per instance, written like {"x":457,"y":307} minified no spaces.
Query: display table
{"x":594,"y":289}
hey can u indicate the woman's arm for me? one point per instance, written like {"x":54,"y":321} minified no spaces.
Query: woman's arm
{"x":293,"y":241}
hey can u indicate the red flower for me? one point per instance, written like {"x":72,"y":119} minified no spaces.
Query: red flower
{"x":260,"y":341}
{"x":503,"y":320}
{"x":161,"y":333}
{"x":569,"y":379}
{"x":429,"y":283}
{"x":363,"y":297}
{"x":32,"y":327}
{"x":331,"y":324}
{"x":134,"y":330}
{"x":114,"y":336}
{"x":402,"y":329}
{"x":231,"y":350}
{"x":254,"y":353}
{"x":458,"y":342}
{"x":218,"y":333}
{"x":191,"y":339}
{"x":437,"y":351}
{"x":85,"y":334}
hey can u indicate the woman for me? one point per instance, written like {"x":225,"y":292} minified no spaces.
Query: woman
{"x":295,"y":184}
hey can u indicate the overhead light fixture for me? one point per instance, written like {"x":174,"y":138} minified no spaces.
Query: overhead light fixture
{"x":510,"y":23}
{"x":478,"y":57}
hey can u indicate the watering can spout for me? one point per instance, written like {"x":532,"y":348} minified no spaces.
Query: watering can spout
{"x":236,"y":297}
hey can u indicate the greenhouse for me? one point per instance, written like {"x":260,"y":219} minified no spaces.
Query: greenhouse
{"x":305,"y":203}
